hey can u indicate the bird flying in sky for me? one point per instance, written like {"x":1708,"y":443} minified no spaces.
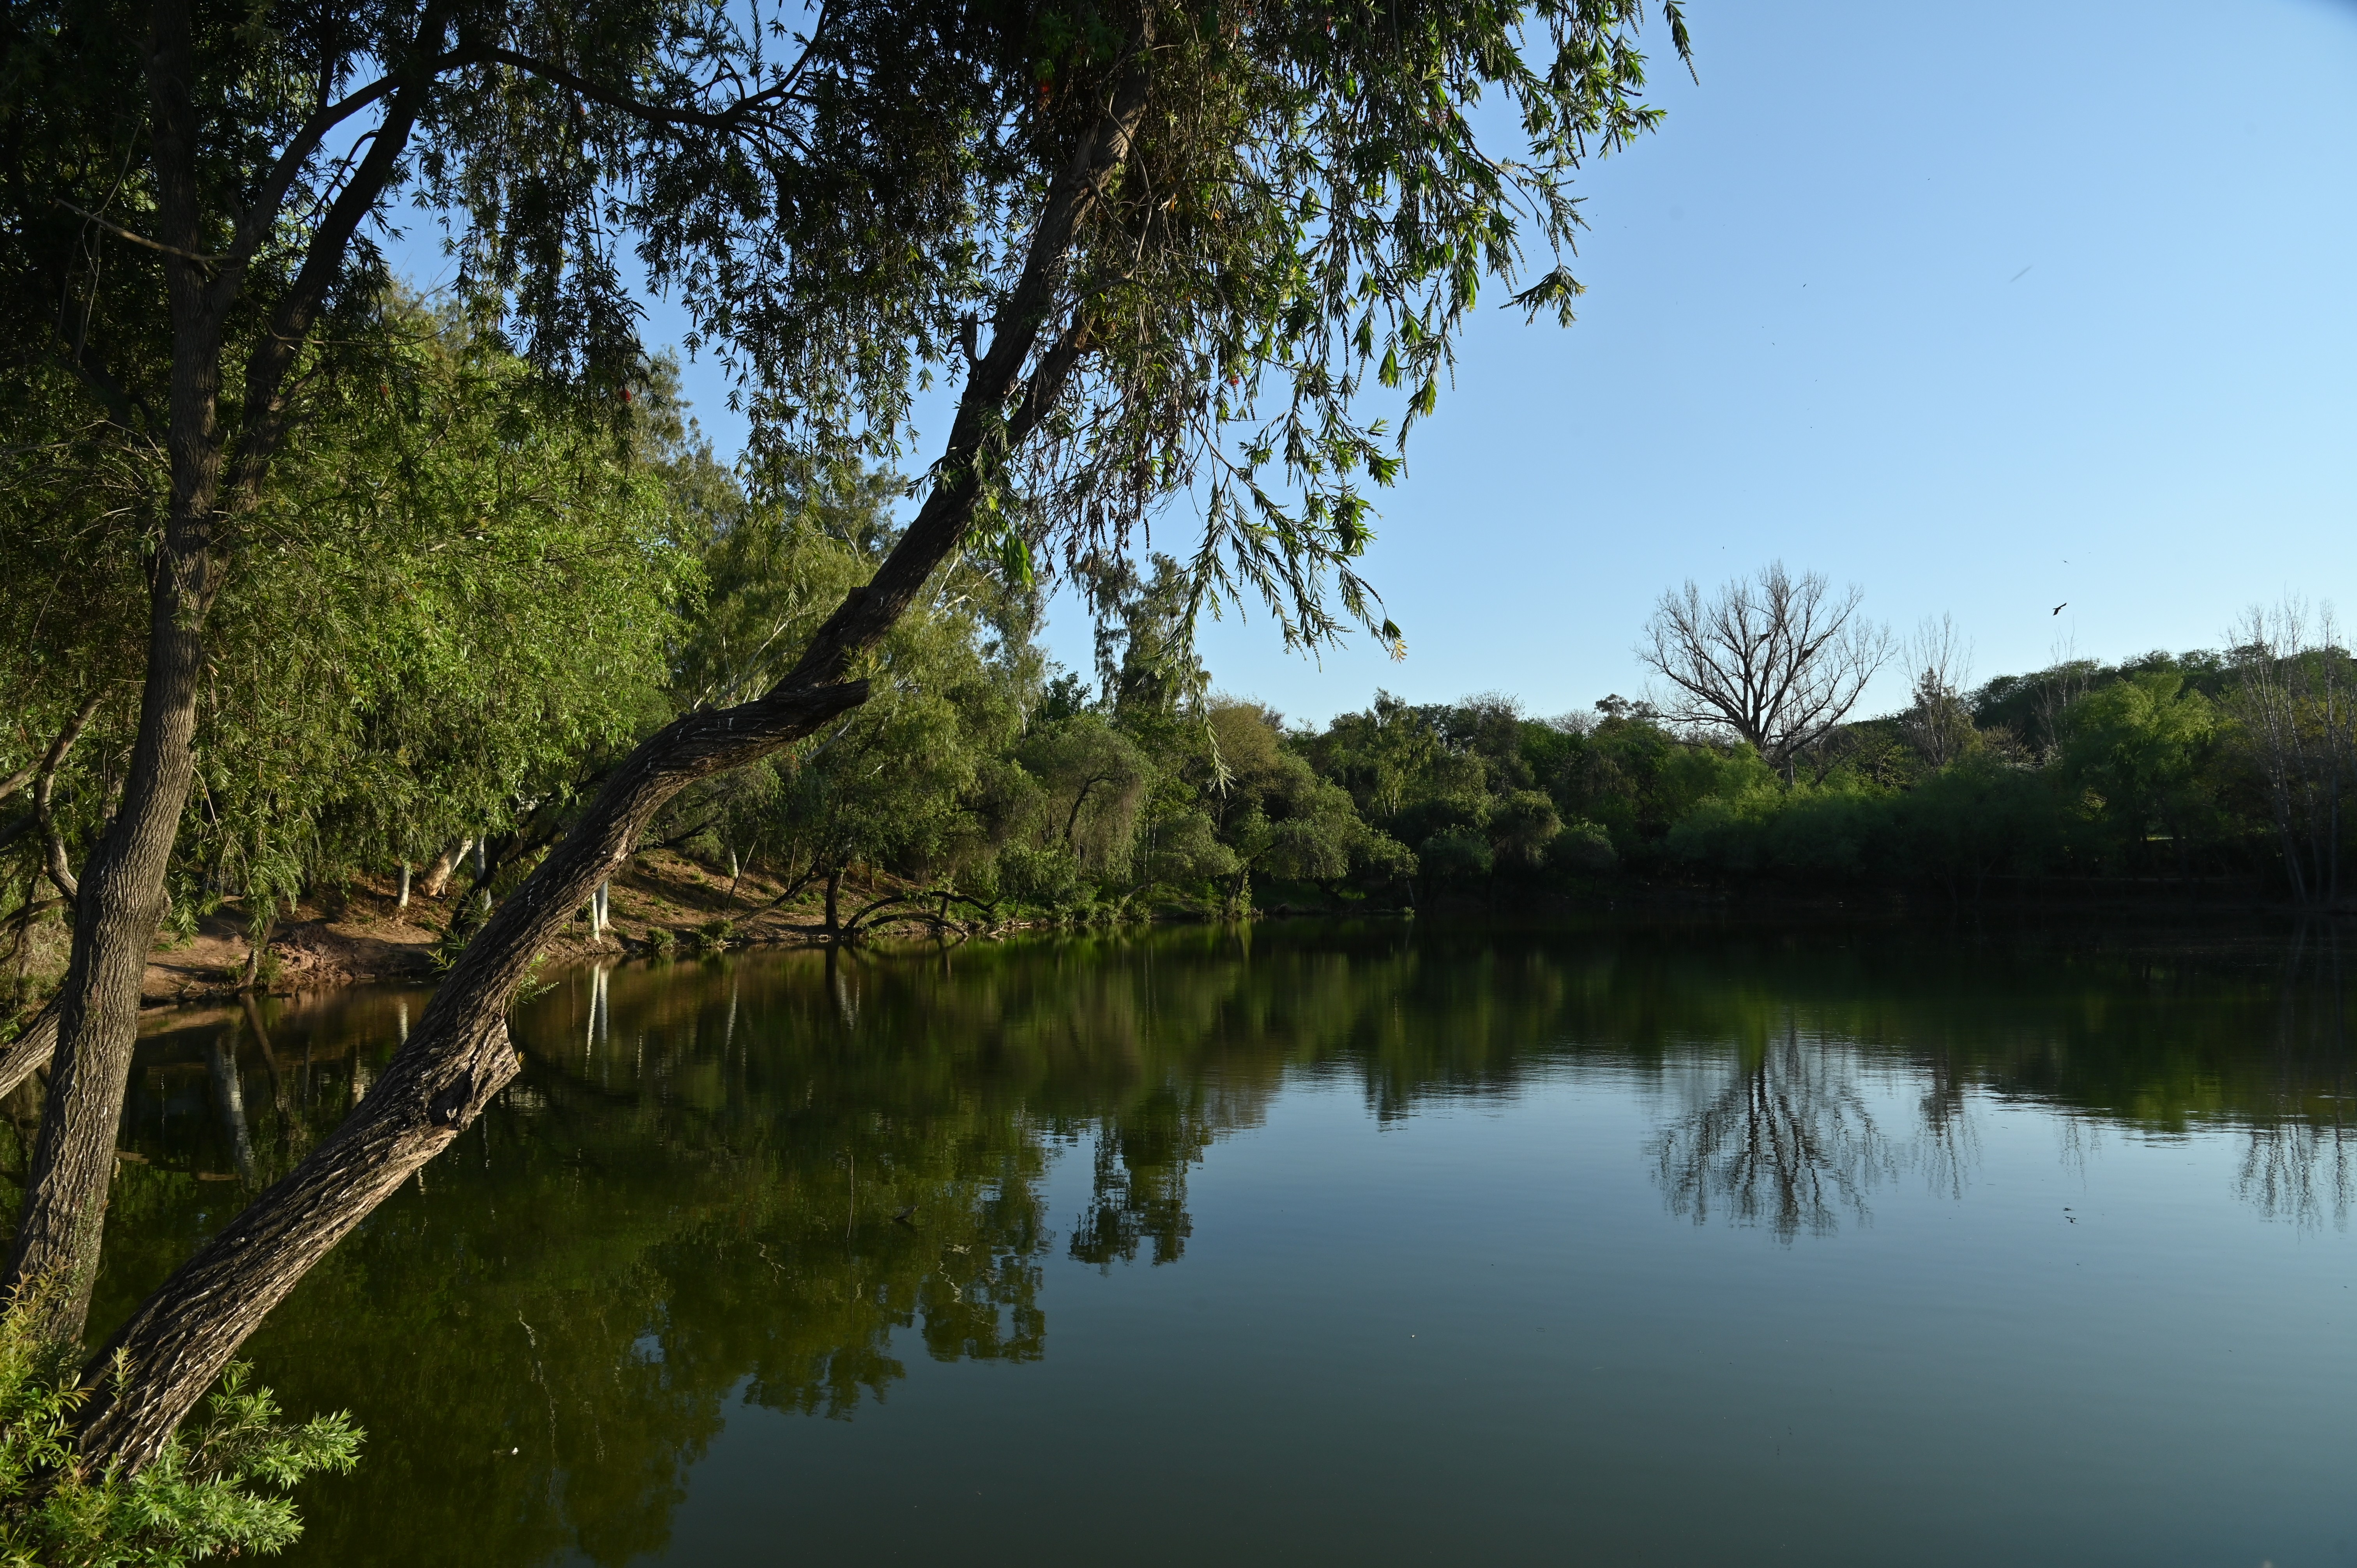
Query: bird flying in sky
{"x":2060,"y":607}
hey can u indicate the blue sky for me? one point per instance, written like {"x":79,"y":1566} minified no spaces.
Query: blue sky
{"x":1983,"y":309}
{"x":1809,"y":334}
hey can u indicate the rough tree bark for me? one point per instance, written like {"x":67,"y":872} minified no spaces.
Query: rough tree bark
{"x":121,"y":898}
{"x":148,"y":1376}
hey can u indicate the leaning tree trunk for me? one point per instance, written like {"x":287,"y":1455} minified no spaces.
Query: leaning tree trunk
{"x":162,"y":1359}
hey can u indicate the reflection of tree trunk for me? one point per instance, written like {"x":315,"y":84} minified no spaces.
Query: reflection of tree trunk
{"x":1786,"y":1137}
{"x":2303,"y":1161}
{"x":847,"y":1007}
{"x":228,"y":1099}
{"x":2297,"y":1169}
{"x":290,"y":1126}
{"x":1139,"y":1189}
{"x":1949,"y":1142}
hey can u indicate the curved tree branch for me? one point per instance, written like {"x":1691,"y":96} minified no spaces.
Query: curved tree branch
{"x":44,"y":791}
{"x":134,"y":238}
{"x":732,"y":118}
{"x":31,"y":1050}
{"x":74,"y":726}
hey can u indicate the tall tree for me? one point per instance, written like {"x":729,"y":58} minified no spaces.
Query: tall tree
{"x":1775,"y":661}
{"x":2294,"y":709}
{"x":189,"y":191}
{"x":1940,"y":720}
{"x":1200,"y":240}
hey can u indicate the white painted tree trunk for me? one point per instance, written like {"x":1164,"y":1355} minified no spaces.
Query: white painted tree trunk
{"x":404,"y":903}
{"x":438,"y":876}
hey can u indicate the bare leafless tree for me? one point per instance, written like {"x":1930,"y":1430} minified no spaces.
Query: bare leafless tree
{"x":2297,"y":704}
{"x":2063,"y":681}
{"x":1774,"y":660}
{"x":1940,"y":719}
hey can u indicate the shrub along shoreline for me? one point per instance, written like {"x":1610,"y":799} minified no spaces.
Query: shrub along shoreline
{"x":2123,"y":786}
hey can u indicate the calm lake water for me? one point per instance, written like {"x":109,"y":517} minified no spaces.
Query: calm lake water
{"x":1300,"y":1245}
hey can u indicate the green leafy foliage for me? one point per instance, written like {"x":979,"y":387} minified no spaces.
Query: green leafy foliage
{"x":216,"y":1490}
{"x":1256,"y":309}
{"x":459,"y":598}
{"x":461,"y":595}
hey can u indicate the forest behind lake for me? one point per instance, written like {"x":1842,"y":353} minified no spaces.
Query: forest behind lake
{"x":475,"y":603}
{"x":372,"y":604}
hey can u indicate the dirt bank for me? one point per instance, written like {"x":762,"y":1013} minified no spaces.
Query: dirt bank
{"x":361,"y":933}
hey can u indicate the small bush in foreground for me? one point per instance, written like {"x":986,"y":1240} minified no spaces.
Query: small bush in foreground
{"x":217,"y":1489}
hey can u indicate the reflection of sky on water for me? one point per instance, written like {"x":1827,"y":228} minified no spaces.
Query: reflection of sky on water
{"x":1403,"y":1249}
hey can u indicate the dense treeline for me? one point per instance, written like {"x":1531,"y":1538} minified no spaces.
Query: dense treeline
{"x":473,"y":598}
{"x":989,"y":776}
{"x":2159,"y":773}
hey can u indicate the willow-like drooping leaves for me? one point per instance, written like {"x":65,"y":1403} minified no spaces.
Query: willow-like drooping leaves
{"x":1262,"y":308}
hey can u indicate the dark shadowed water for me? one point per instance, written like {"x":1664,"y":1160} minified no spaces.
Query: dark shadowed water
{"x":1333,"y":1246}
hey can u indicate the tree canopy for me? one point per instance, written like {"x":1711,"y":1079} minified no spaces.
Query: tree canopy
{"x":1165,"y":251}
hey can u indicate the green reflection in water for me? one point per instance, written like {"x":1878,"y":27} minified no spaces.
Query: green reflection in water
{"x":754,"y":1179}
